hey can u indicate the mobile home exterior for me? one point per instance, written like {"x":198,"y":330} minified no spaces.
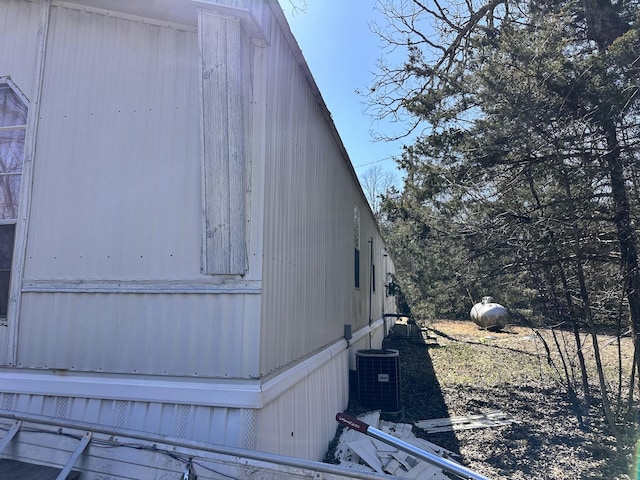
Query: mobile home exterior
{"x":183,"y":238}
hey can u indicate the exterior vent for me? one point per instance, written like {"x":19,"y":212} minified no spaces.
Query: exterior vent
{"x":378,"y":373}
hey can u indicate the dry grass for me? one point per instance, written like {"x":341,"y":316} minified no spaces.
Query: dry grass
{"x":465,"y":370}
{"x":520,"y":355}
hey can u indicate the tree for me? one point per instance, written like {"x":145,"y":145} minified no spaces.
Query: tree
{"x":529,"y":156}
{"x":376,"y":182}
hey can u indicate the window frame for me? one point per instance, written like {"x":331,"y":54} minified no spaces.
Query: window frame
{"x":6,"y":82}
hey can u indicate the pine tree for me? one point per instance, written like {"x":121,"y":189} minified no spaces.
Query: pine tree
{"x":528,"y":166}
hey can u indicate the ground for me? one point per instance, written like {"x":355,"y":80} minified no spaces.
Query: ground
{"x":462,"y":370}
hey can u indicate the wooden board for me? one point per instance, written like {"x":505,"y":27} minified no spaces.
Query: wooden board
{"x":367,"y":452}
{"x":491,"y":419}
{"x":424,"y":471}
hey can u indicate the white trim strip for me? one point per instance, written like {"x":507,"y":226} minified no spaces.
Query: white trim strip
{"x":228,"y":286}
{"x":125,"y":16}
{"x":64,"y":384}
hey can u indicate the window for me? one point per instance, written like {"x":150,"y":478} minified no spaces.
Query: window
{"x":356,"y":244}
{"x":13,"y":124}
{"x":373,"y":277}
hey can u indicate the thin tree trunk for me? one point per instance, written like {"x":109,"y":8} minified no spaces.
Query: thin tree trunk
{"x":632,"y":379}
{"x":573,"y":397}
{"x":567,"y":294}
{"x":576,"y":335}
{"x":626,"y":235}
{"x":584,"y":294}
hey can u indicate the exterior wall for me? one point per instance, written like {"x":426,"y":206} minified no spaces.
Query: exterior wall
{"x":117,"y":142}
{"x":113,"y":258}
{"x":300,"y":421}
{"x":113,"y":319}
{"x":291,"y":413}
{"x":310,"y":194}
{"x":284,"y":425}
{"x":144,"y":333}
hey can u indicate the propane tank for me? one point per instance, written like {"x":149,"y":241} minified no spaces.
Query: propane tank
{"x":489,"y":314}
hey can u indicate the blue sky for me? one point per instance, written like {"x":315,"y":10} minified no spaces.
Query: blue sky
{"x":341,"y":52}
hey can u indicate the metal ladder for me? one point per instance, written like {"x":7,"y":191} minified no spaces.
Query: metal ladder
{"x":82,"y":445}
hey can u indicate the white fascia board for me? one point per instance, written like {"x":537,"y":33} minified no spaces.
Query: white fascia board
{"x":236,"y":395}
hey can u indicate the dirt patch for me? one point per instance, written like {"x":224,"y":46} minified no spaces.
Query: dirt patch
{"x":463,"y":370}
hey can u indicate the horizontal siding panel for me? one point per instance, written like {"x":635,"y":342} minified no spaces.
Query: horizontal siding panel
{"x":157,"y":334}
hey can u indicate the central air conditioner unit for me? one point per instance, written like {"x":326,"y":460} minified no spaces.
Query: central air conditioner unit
{"x":378,"y":378}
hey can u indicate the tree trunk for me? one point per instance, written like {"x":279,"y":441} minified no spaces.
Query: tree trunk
{"x":584,"y":294}
{"x":604,"y":24}
{"x":626,"y":236}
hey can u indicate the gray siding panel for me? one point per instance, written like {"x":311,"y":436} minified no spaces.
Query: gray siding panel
{"x":310,"y":193}
{"x":118,"y":139}
{"x":19,"y":23}
{"x":154,"y":334}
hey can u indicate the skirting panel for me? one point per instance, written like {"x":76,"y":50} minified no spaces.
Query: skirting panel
{"x":227,"y":426}
{"x":301,"y":421}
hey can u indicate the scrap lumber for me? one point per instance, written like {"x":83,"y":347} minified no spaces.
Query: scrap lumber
{"x":400,"y":430}
{"x":486,"y":420}
{"x":367,"y":452}
{"x":364,"y":453}
{"x":345,"y":455}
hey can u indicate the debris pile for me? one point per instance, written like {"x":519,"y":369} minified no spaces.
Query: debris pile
{"x":363,"y":453}
{"x":368,"y":453}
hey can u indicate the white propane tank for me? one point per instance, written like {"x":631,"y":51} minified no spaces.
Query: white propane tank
{"x":488,"y":314}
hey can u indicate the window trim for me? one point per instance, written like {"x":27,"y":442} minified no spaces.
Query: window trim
{"x":16,"y":257}
{"x":10,"y":355}
{"x":6,"y":80}
{"x":10,"y":321}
